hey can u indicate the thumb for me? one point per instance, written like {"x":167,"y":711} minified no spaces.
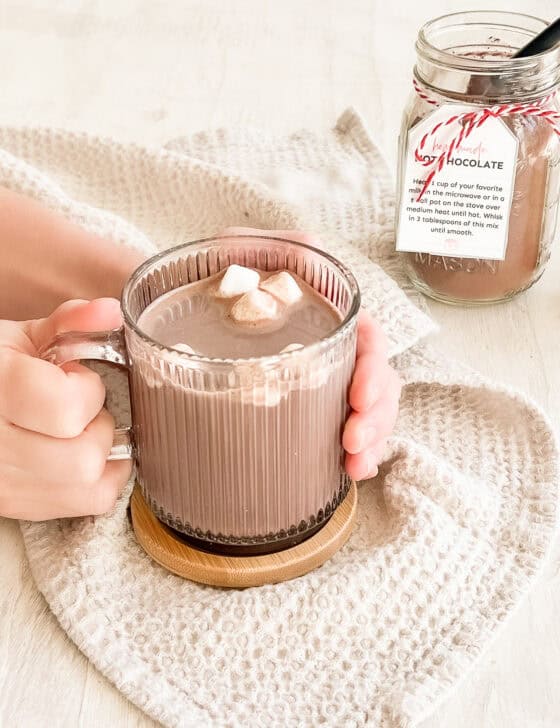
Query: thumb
{"x":98,"y":315}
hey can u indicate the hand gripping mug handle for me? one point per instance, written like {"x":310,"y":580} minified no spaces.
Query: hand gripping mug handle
{"x":101,"y":345}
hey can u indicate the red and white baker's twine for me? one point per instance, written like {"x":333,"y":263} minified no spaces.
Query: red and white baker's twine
{"x":468,"y":122}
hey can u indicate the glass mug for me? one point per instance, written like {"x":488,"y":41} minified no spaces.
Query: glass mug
{"x":239,"y":456}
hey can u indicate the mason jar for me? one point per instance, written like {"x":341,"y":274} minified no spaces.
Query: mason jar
{"x":479,"y":151}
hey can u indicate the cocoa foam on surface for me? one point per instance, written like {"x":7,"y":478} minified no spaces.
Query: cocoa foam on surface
{"x":240,"y":313}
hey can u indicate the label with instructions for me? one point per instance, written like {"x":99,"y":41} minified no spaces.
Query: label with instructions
{"x":465,"y":210}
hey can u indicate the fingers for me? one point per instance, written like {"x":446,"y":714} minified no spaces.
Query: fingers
{"x":371,"y":337}
{"x":369,"y":381}
{"x":101,"y":498}
{"x":365,"y":434}
{"x":80,"y":460}
{"x":33,"y":500}
{"x":38,"y":396}
{"x":365,"y":427}
{"x":54,"y":435}
{"x":365,"y":464}
{"x":41,"y":397}
{"x":372,"y":369}
{"x":98,"y":315}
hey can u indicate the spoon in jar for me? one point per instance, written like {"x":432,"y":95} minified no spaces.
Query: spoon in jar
{"x":542,"y":42}
{"x":495,"y":86}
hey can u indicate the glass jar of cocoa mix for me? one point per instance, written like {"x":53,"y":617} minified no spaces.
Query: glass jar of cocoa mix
{"x":479,"y":155}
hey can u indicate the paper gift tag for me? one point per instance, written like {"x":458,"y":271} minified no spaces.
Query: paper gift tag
{"x":465,"y":210}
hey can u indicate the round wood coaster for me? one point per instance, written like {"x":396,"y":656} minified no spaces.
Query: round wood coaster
{"x":241,"y":571}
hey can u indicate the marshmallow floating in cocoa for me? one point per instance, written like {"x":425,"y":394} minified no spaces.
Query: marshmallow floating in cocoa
{"x":283,"y":287}
{"x":291,"y":347}
{"x":255,"y":307}
{"x":237,"y":280}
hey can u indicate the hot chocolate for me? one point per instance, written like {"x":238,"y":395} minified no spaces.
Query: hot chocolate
{"x":482,"y":134}
{"x":240,"y":313}
{"x":530,"y":235}
{"x":252,"y":462}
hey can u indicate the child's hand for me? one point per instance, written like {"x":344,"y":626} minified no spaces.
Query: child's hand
{"x":376,"y":387}
{"x":54,"y":433}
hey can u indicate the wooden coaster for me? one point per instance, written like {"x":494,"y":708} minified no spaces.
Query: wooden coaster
{"x":241,"y":571}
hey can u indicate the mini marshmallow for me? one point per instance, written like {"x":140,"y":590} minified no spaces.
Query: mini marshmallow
{"x":184,"y":347}
{"x":254,"y":307}
{"x":283,"y":287}
{"x":237,"y":280}
{"x":291,"y":347}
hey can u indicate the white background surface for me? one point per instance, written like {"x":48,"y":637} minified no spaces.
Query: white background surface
{"x":148,"y":70}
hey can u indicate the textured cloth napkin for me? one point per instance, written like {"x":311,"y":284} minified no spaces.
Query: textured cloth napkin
{"x":449,"y":536}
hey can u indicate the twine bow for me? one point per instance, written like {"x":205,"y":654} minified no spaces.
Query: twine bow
{"x":468,"y":122}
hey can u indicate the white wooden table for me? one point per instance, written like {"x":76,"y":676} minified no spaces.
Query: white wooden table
{"x":148,"y":70}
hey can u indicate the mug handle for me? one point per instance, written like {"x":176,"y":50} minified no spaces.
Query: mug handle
{"x":101,"y":345}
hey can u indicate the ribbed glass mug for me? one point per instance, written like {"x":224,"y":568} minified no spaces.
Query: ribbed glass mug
{"x":237,"y":455}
